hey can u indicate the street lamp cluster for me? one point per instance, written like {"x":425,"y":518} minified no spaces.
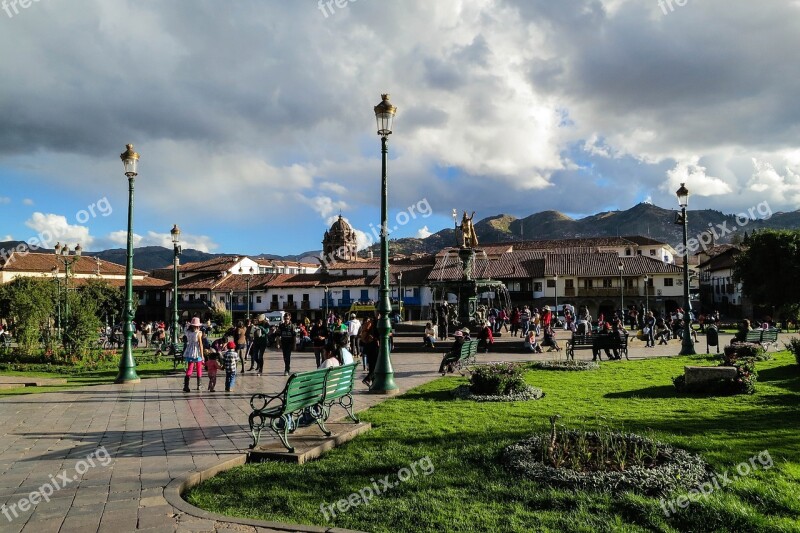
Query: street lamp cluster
{"x":687,"y":347}
{"x":175,"y":232}
{"x":249,"y":279}
{"x":63,"y":257}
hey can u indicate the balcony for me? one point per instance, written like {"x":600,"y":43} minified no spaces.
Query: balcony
{"x":569,"y":291}
{"x":274,"y":306}
{"x":305,"y":305}
{"x":345,"y":302}
{"x":290,"y":306}
{"x":612,"y":292}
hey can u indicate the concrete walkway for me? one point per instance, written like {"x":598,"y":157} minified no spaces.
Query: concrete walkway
{"x":153,"y":434}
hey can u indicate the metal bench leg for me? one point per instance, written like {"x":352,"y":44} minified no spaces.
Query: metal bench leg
{"x":283,"y":433}
{"x":348,"y":406}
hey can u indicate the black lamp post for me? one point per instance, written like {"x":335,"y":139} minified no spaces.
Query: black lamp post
{"x":248,"y":280}
{"x":63,"y":257}
{"x":555,"y":293}
{"x":325,"y":319}
{"x":176,"y":248}
{"x":621,"y":267}
{"x":646,"y":293}
{"x":687,"y":346}
{"x":400,"y":295}
{"x":384,"y":373}
{"x":127,"y":365}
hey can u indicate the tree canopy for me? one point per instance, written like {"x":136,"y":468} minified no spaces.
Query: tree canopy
{"x":769,"y":268}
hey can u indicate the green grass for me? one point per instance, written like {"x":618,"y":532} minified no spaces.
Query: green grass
{"x":469,"y":491}
{"x":77,"y":377}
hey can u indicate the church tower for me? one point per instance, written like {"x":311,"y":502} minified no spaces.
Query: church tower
{"x":339,"y":242}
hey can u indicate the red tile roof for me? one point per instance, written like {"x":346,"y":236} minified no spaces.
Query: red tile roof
{"x":45,"y":263}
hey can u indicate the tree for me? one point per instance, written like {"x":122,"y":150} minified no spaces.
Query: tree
{"x":769,"y":268}
{"x":109,"y":300}
{"x":30,"y":303}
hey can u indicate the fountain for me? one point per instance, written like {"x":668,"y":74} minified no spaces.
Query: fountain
{"x":462,"y":274}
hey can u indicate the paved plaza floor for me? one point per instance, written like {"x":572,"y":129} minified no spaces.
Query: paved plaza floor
{"x":153,"y":434}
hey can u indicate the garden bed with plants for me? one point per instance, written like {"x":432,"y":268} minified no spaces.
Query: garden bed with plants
{"x":568,"y":365}
{"x":741,"y":356}
{"x":604,"y":460}
{"x":497,"y":382}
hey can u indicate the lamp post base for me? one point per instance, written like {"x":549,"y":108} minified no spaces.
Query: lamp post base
{"x":380,"y":389}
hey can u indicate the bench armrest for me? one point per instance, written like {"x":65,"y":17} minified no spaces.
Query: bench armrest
{"x":264,"y":400}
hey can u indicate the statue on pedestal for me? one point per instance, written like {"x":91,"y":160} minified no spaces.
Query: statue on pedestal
{"x":468,"y":237}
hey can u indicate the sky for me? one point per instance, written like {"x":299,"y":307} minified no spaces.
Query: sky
{"x":255,"y":124}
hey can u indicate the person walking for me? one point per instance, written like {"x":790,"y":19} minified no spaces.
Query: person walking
{"x":649,"y":329}
{"x":525,"y":320}
{"x":212,"y":367}
{"x":240,"y":335}
{"x":193,"y":353}
{"x":229,"y":360}
{"x":370,"y":346}
{"x":319,"y":337}
{"x":353,"y":328}
{"x":515,"y":320}
{"x":258,"y":347}
{"x":288,"y":342}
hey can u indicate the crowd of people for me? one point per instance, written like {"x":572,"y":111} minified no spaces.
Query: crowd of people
{"x":333,"y":341}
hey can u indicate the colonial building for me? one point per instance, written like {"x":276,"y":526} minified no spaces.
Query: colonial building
{"x":339,"y":242}
{"x":719,"y":291}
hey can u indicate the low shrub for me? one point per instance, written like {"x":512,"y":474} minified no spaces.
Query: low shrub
{"x":604,"y":460}
{"x":794,"y":346}
{"x":568,"y":365}
{"x":743,"y":383}
{"x":745,"y":350}
{"x":464,"y":392}
{"x":497,"y":379}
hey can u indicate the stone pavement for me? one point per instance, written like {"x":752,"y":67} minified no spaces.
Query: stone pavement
{"x":153,"y":434}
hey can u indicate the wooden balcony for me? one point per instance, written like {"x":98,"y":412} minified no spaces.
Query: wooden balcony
{"x":290,"y":306}
{"x":305,"y":305}
{"x":613,"y":292}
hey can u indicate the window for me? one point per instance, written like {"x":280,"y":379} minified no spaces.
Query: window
{"x":589,"y":283}
{"x":290,"y":298}
{"x":306,"y":298}
{"x":158,"y":296}
{"x":344,"y":272}
{"x":608,"y":283}
{"x":191,"y":297}
{"x":365,"y":273}
{"x":638,"y":252}
{"x":627,"y":251}
{"x":537,"y":286}
{"x":513,"y":286}
{"x":202,"y":297}
{"x":274,"y":298}
{"x":628,"y":283}
{"x":668,"y":282}
{"x":551,"y":283}
{"x":653,"y":253}
{"x":569,"y":283}
{"x":258,"y":299}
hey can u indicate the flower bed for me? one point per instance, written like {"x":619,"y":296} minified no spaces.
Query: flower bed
{"x":745,"y":350}
{"x":605,"y":461}
{"x":568,"y":365}
{"x":742,"y":356}
{"x":463,"y":392}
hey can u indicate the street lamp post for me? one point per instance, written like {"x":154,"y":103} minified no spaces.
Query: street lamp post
{"x":383,"y":382}
{"x":58,"y":300}
{"x":555,"y":293}
{"x":176,"y":248}
{"x":63,"y":257}
{"x":646,"y":293}
{"x":400,"y":295}
{"x":249,"y":279}
{"x":325,"y":319}
{"x":621,"y":267}
{"x":687,"y":346}
{"x":127,"y":365}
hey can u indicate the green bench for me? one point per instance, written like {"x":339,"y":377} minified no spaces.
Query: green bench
{"x":176,"y":351}
{"x":7,"y":340}
{"x":313,"y":392}
{"x":578,"y":342}
{"x":764,"y":337}
{"x":461,"y":360}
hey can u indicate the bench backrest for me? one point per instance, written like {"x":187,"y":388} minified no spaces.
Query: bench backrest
{"x":580,"y":339}
{"x":467,"y":349}
{"x":769,"y":335}
{"x":305,"y":389}
{"x":753,"y":336}
{"x":340,"y":381}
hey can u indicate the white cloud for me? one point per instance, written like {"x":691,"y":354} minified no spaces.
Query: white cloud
{"x":5,"y":200}
{"x":202,"y":243}
{"x":697,"y":181}
{"x":769,"y":183}
{"x":27,"y":201}
{"x":424,"y":232}
{"x":51,"y":228}
{"x":8,"y":238}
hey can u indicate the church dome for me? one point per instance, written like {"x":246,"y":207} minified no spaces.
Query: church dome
{"x":341,"y":227}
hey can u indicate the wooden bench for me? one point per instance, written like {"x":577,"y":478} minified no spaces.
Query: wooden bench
{"x":578,"y":342}
{"x":764,"y":337}
{"x":464,"y":358}
{"x":313,"y":392}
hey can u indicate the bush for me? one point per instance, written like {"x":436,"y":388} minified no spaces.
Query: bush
{"x":497,"y":379}
{"x":794,"y":347}
{"x":569,"y":365}
{"x":745,"y":350}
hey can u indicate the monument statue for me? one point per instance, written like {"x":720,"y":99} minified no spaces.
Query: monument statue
{"x":468,"y":237}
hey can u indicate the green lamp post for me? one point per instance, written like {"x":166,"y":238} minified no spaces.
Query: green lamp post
{"x":621,"y":267}
{"x":175,"y":232}
{"x":127,"y":365}
{"x":687,"y":346}
{"x":384,"y":374}
{"x":63,"y":257}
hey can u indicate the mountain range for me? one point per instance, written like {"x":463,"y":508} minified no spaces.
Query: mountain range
{"x":643,"y":219}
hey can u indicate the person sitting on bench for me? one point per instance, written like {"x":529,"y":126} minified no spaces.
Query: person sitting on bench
{"x":550,"y":339}
{"x":602,"y":341}
{"x":453,"y":354}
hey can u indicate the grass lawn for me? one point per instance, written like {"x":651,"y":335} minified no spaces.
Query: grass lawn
{"x":78,"y":377}
{"x":469,"y":490}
